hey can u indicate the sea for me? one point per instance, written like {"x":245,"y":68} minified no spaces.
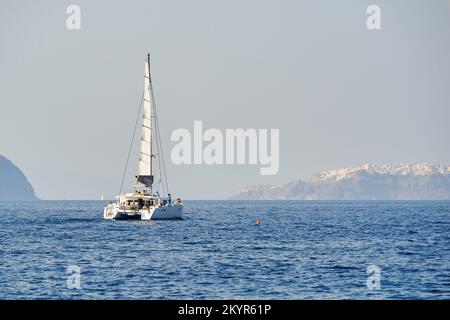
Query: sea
{"x":228,"y":250}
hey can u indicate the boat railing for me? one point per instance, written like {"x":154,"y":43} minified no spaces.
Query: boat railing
{"x":132,"y":208}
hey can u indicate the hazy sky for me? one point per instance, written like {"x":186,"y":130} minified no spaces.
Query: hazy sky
{"x":340,"y":94}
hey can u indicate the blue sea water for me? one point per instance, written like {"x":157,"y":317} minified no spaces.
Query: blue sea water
{"x":301,"y":250}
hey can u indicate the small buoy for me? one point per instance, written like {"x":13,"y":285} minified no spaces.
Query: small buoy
{"x":258,"y":221}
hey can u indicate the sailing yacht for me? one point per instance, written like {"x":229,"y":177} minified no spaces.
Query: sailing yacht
{"x":150,"y":199}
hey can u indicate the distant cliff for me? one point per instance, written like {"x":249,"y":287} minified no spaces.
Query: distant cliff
{"x":365,"y":182}
{"x":14,"y":186}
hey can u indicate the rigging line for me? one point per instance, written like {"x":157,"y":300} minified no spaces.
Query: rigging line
{"x":157,"y":145}
{"x":132,"y":140}
{"x":161,"y":182}
{"x":163,"y":165}
{"x":157,"y":139}
{"x":162,"y":155}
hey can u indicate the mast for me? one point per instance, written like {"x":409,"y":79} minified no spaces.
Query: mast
{"x":150,"y":89}
{"x":145,"y":172}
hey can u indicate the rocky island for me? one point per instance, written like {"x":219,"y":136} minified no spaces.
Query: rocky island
{"x":365,"y":182}
{"x":14,"y":186}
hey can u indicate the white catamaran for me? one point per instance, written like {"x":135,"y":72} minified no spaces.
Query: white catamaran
{"x":147,"y":201}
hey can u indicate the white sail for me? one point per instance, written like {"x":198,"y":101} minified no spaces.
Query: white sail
{"x":145,"y":147}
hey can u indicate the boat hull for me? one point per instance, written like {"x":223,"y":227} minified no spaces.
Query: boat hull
{"x":121,"y":215}
{"x":172,"y":212}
